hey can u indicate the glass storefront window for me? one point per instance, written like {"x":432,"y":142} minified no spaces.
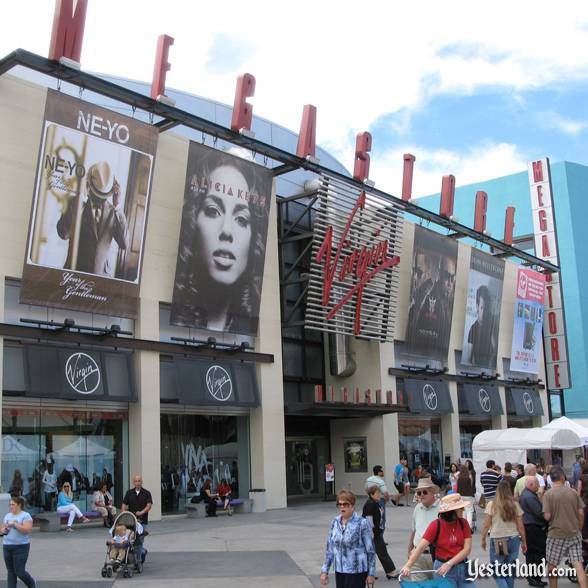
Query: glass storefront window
{"x":43,"y":448}
{"x":467,"y":432}
{"x":196,"y":448}
{"x":420,"y":443}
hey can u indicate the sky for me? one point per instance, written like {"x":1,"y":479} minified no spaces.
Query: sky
{"x":472,"y":89}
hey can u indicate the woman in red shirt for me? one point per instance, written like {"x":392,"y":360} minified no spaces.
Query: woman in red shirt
{"x":450,"y":538}
{"x":224,"y":493}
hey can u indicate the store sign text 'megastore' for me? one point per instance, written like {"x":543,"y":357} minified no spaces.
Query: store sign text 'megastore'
{"x":361,"y":264}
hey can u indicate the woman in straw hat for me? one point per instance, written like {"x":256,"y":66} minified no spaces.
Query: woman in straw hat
{"x":504,"y":520}
{"x":350,"y":547}
{"x":450,"y":540}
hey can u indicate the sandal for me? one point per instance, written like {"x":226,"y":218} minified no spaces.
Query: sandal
{"x":69,"y":529}
{"x":85,"y":520}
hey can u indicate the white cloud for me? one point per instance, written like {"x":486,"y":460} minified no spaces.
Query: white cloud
{"x":355,"y":63}
{"x":478,"y":163}
{"x":554,"y":121}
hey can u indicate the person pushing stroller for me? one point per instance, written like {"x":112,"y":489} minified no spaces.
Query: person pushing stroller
{"x":124,"y":547}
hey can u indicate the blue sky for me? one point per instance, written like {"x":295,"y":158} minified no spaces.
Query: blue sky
{"x":472,"y":89}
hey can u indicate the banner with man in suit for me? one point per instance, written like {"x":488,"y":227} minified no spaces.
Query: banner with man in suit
{"x":90,"y":204}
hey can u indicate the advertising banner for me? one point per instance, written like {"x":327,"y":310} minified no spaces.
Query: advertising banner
{"x":528,"y":322}
{"x":482,"y":318}
{"x":221,"y":254}
{"x":89,"y":213}
{"x":432,"y":292}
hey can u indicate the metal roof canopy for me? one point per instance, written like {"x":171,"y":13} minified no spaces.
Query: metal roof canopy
{"x":341,"y":410}
{"x":172,"y":116}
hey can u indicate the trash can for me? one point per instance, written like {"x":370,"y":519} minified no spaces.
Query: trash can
{"x":257,"y":495}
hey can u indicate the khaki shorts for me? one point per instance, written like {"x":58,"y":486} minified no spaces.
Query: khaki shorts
{"x":425,"y":562}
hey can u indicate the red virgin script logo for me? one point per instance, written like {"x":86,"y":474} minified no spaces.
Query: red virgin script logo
{"x":363,"y":263}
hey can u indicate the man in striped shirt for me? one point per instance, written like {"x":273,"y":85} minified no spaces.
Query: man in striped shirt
{"x":489,"y":479}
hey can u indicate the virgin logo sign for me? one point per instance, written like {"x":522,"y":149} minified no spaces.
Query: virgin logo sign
{"x":357,"y":265}
{"x":218,"y":383}
{"x":82,"y":373}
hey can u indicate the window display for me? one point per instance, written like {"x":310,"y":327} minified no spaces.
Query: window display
{"x":197,"y":448}
{"x":42,"y":449}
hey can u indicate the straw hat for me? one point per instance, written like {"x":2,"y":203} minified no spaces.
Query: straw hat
{"x":451,"y":502}
{"x":426,"y":484}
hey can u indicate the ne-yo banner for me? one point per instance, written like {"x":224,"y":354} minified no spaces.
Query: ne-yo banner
{"x":527,"y":335}
{"x":221,"y":254}
{"x":434,"y":264}
{"x":482,"y":318}
{"x":89,"y":213}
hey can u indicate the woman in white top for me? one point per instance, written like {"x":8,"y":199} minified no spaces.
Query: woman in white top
{"x":504,"y":520}
{"x":102,"y":502}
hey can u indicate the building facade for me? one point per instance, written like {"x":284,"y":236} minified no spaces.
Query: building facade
{"x":91,"y":397}
{"x":568,"y":184}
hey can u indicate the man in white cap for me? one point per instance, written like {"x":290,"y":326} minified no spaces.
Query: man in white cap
{"x":425,"y":512}
{"x":100,"y":223}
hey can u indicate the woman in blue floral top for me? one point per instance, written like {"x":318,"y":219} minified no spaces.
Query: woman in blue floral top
{"x":350,"y":547}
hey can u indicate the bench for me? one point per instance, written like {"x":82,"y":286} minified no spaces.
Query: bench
{"x":198,"y":510}
{"x":50,"y":521}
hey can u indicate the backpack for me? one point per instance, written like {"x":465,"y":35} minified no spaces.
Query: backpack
{"x":433,"y":545}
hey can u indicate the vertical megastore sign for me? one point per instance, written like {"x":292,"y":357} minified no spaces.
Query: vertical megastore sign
{"x":554,"y":325}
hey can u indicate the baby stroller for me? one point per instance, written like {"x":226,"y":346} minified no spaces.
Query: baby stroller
{"x":131,"y":562}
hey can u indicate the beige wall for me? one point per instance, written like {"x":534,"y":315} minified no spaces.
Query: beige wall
{"x":21,"y":118}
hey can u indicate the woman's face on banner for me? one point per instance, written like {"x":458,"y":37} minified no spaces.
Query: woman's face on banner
{"x":224,"y":226}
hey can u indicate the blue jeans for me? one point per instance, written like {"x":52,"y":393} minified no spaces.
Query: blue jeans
{"x":15,"y":558}
{"x":457,"y":575}
{"x":514,"y":543}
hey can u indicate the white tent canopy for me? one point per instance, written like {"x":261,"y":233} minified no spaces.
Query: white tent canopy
{"x":517,"y":439}
{"x":565,"y":424}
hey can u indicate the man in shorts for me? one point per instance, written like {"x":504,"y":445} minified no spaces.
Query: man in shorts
{"x":563,"y":509}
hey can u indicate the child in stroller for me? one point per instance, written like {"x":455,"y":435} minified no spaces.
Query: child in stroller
{"x":123,"y":548}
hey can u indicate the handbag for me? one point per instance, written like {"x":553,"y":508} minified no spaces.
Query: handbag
{"x":501,"y":546}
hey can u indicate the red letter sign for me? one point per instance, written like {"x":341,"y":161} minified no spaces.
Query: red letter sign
{"x":509,"y":224}
{"x":447,"y":196}
{"x":480,"y":213}
{"x":407,"y":176}
{"x":68,"y":30}
{"x":307,"y":138}
{"x":161,"y":66}
{"x":363,"y":144}
{"x":242,"y":110}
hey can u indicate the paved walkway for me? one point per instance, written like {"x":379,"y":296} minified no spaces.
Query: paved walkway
{"x":280,"y":548}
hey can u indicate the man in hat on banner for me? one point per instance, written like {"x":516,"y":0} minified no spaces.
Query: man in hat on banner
{"x":425,"y":512}
{"x":100,"y":223}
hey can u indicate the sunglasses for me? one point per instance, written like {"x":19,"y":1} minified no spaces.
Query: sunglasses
{"x":343,"y":504}
{"x":422,"y":492}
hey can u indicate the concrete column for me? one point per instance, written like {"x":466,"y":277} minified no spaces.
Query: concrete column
{"x":2,"y":288}
{"x":268,"y":439}
{"x":144,"y":415}
{"x":450,"y":427}
{"x":501,"y":421}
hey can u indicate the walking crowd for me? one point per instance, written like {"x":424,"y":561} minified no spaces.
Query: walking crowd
{"x":529,"y":510}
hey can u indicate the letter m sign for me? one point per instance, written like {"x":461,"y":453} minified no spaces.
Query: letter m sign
{"x":68,"y":30}
{"x":537,"y":171}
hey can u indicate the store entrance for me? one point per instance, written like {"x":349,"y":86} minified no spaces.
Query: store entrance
{"x":305,"y":465}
